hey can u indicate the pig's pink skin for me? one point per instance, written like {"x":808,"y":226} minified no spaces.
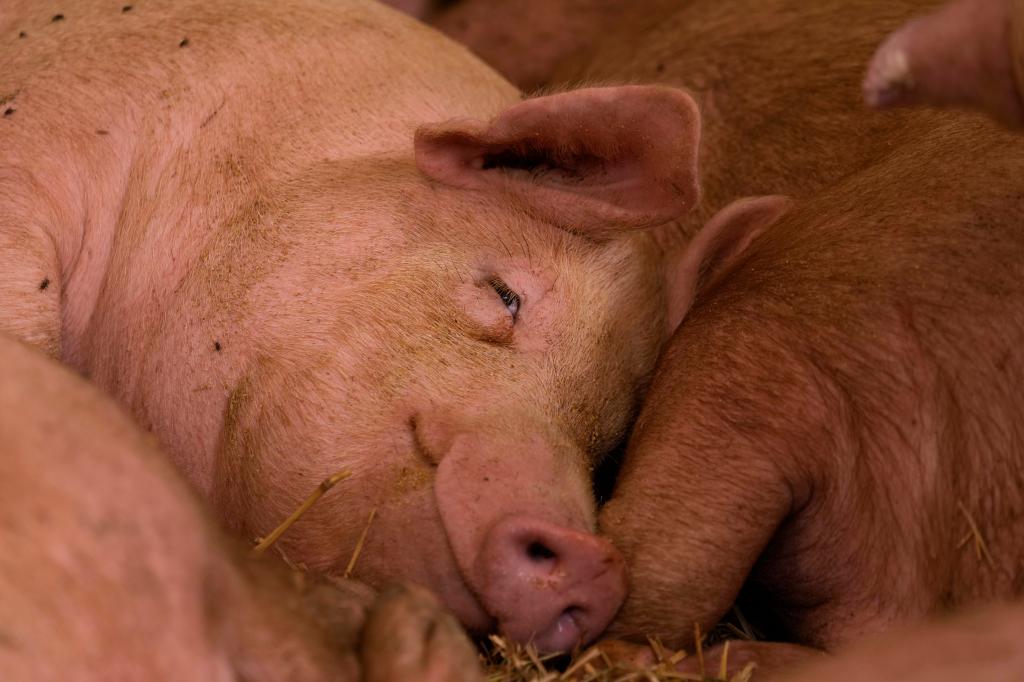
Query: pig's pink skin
{"x":969,"y":54}
{"x":111,"y":571}
{"x":231,"y":229}
{"x":979,"y":646}
{"x":828,"y":417}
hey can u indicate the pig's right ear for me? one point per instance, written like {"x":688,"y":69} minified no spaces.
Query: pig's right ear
{"x":586,"y":160}
{"x":715,"y":250}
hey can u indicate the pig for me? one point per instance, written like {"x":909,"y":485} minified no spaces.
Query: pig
{"x":968,"y":54}
{"x":835,"y":431}
{"x":111,"y":571}
{"x":785,"y":428}
{"x":303,"y":237}
{"x":776,"y":80}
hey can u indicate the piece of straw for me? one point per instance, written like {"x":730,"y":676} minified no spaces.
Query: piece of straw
{"x":980,"y":546}
{"x":328,"y":483}
{"x":359,"y":545}
{"x":723,"y":665}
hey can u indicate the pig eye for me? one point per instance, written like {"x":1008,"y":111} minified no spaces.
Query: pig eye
{"x":508,"y":297}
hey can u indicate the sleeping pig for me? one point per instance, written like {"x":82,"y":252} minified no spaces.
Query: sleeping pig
{"x":295,"y":238}
{"x":815,"y":428}
{"x":836,"y":429}
{"x":110,"y":571}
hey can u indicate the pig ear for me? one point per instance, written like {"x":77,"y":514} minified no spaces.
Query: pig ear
{"x":717,"y":247}
{"x":583,"y":160}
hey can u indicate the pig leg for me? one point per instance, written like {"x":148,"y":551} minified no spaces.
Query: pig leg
{"x":693,"y":508}
{"x":970,"y":53}
{"x":30,"y":273}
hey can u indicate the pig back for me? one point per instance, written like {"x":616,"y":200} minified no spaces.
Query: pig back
{"x":900,"y":291}
{"x":777,"y":83}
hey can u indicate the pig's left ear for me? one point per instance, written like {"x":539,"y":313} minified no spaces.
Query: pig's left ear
{"x":584,"y":160}
{"x":716,"y":248}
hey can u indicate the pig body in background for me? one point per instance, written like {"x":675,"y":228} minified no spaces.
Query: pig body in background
{"x":837,"y":427}
{"x":776,"y":80}
{"x":110,"y":571}
{"x":294,"y":238}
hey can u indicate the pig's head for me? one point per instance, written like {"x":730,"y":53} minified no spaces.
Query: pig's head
{"x":467,"y":329}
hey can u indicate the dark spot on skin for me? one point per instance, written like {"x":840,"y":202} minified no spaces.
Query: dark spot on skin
{"x":45,"y":283}
{"x":23,"y":35}
{"x":183,"y":43}
{"x":126,"y":8}
{"x":660,"y":68}
{"x":217,"y":346}
{"x":57,"y":17}
{"x":8,"y":111}
{"x":210,"y":117}
{"x":101,"y":131}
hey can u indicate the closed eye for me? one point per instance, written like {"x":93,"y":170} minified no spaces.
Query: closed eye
{"x":508,"y":297}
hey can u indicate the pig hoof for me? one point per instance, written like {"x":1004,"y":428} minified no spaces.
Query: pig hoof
{"x":409,"y":636}
{"x":340,"y":607}
{"x":889,"y":81}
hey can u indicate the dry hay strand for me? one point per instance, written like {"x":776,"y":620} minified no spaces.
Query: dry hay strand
{"x":974,"y":534}
{"x":263,"y":544}
{"x":359,"y":545}
{"x":510,"y":662}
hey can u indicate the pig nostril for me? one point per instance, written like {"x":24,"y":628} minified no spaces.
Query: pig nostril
{"x":539,"y":552}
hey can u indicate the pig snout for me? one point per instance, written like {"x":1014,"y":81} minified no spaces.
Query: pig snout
{"x":554,"y":586}
{"x":515,"y":501}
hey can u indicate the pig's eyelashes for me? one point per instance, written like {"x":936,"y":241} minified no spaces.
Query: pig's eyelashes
{"x":508,"y":297}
